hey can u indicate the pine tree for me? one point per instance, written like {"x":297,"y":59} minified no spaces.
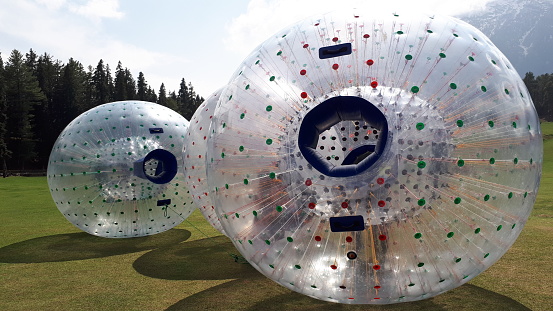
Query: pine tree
{"x":103,"y":84}
{"x":162,"y":97}
{"x":47,"y":73}
{"x":4,"y":152}
{"x":142,"y":87}
{"x":22,"y":93}
{"x":151,"y":95}
{"x":71,"y":98}
{"x":172,"y":101}
{"x":130,"y":85}
{"x":120,"y":87}
{"x":182,"y":97}
{"x":90,"y":90}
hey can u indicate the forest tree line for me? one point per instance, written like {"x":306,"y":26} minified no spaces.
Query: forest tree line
{"x":541,"y":91}
{"x":40,"y":96}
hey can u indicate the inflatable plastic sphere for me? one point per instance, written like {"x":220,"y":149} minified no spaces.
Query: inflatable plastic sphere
{"x":116,"y":170}
{"x":195,"y":151}
{"x":378,"y":159}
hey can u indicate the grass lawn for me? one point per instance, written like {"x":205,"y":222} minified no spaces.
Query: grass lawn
{"x":48,"y":264}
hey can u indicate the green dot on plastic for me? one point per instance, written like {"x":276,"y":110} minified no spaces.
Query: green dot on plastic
{"x":420,"y":126}
{"x":269,"y":108}
{"x":418,"y":235}
{"x":421,"y":202}
{"x":457,"y":200}
{"x":460,"y":123}
{"x":450,"y":234}
{"x":421,"y":164}
{"x":461,"y":163}
{"x":415,"y":89}
{"x":279,"y":208}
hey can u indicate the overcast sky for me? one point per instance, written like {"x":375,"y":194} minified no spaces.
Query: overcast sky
{"x":203,"y":41}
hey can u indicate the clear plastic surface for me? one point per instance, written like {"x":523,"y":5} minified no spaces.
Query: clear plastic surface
{"x":116,"y":170}
{"x":195,"y":152}
{"x":448,"y":193}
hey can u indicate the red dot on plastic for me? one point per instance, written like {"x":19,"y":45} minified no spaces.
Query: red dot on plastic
{"x":192,"y":166}
{"x":376,"y":267}
{"x":374,"y":84}
{"x":334,"y":39}
{"x":380,"y":181}
{"x":305,"y":46}
{"x":376,"y":298}
{"x":303,"y":94}
{"x":308,"y":182}
{"x":349,"y":239}
{"x":345,"y":204}
{"x":318,"y":238}
{"x":303,"y":72}
{"x":366,"y":36}
{"x":201,"y":127}
{"x":317,"y":24}
{"x":351,"y":298}
{"x":335,"y":66}
{"x":205,"y":137}
{"x":381,"y":203}
{"x":334,"y":267}
{"x":370,"y":62}
{"x":377,"y":287}
{"x":311,"y":205}
{"x":382,"y":237}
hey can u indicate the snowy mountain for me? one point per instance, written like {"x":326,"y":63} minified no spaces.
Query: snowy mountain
{"x":521,"y":29}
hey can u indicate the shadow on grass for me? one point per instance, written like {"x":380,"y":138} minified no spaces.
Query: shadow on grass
{"x":260,"y":293}
{"x":79,"y":246}
{"x":206,"y":259}
{"x":210,"y":259}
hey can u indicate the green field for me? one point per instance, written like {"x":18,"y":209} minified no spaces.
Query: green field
{"x":48,"y":264}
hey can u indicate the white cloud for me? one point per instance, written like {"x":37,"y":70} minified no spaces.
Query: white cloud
{"x":263,"y":18}
{"x":28,"y":24}
{"x":97,"y":9}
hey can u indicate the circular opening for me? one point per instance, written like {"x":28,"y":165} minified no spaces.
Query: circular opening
{"x":159,"y":166}
{"x":359,"y":154}
{"x":351,"y":255}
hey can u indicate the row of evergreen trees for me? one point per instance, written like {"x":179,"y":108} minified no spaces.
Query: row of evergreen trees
{"x":40,"y":95}
{"x":541,"y":90}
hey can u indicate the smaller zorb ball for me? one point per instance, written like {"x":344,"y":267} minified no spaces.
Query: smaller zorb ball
{"x":116,"y":170}
{"x":195,"y":150}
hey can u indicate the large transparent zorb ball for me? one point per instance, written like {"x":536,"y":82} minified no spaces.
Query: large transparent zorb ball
{"x":116,"y":170}
{"x":363,"y":157}
{"x":194,"y":155}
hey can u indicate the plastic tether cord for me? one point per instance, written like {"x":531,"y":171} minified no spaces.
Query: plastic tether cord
{"x":327,"y":114}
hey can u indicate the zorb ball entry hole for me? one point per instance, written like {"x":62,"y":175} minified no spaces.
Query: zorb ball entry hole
{"x":159,"y":166}
{"x":343,"y":136}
